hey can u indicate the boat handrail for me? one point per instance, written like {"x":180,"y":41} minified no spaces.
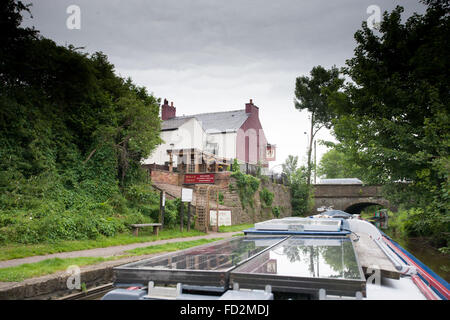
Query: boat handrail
{"x":362,"y":226}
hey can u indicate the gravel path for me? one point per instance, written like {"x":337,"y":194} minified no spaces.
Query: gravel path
{"x":109,"y":251}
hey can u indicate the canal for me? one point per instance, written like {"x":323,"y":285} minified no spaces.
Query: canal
{"x":422,"y":250}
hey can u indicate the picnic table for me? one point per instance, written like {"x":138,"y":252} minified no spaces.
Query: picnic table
{"x":155,"y":226}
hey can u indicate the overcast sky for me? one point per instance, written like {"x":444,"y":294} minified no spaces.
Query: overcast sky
{"x":209,"y":56}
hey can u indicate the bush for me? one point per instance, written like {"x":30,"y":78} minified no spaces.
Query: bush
{"x":276,"y":211}
{"x":247,"y":185}
{"x":47,"y":208}
{"x":266,"y":197}
{"x":171,"y":214}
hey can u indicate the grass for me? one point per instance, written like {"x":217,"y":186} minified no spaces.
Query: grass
{"x":237,"y":227}
{"x":41,"y":268}
{"x":16,"y":251}
{"x":49,"y":266}
{"x":170,"y":246}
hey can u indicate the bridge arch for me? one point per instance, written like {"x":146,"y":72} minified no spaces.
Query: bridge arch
{"x":358,"y":207}
{"x":352,"y":198}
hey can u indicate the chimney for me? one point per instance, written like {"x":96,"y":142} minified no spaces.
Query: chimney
{"x":168,"y":112}
{"x":251,"y":108}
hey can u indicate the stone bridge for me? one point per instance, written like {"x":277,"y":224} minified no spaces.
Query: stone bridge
{"x":351,"y":198}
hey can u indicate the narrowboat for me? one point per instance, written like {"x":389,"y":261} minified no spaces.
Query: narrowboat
{"x":331,"y":256}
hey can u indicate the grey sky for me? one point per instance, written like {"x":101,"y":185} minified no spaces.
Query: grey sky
{"x":207,"y":55}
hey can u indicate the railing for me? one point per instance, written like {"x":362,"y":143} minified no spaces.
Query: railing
{"x":247,"y":168}
{"x":251,"y":169}
{"x":155,"y":166}
{"x":279,"y":178}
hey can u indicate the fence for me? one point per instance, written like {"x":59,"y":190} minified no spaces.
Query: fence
{"x":279,"y":178}
{"x":247,"y":168}
{"x":251,"y":169}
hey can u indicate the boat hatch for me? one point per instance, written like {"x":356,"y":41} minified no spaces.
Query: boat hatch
{"x":206,"y":265}
{"x":300,"y":224}
{"x":293,"y":264}
{"x":304,"y":265}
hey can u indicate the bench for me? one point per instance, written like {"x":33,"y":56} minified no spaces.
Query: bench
{"x":155,"y":226}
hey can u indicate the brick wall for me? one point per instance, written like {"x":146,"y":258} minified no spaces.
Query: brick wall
{"x":165,"y":177}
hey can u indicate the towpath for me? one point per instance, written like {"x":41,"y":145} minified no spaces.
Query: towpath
{"x":110,"y":251}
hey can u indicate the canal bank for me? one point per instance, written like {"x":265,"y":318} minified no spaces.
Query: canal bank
{"x":427,"y":254}
{"x":55,"y":285}
{"x":420,"y":248}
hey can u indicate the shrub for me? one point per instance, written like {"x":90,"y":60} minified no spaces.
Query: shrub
{"x":266,"y":197}
{"x":276,"y":211}
{"x":247,"y":185}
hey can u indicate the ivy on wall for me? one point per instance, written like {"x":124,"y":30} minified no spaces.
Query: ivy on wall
{"x":247,"y":186}
{"x":266,"y":197}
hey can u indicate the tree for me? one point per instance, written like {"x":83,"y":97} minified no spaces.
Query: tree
{"x":133,"y":134}
{"x":335,"y":164}
{"x":393,"y":117}
{"x":311,"y":94}
{"x":301,"y":195}
{"x":71,"y":133}
{"x":290,"y":167}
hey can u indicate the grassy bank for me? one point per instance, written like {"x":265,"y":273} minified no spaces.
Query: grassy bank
{"x":16,"y":251}
{"x":237,"y":227}
{"x":49,"y":266}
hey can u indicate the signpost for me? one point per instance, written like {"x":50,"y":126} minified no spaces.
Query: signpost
{"x":186,"y":196}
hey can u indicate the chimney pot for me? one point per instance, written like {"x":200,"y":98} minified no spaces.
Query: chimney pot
{"x":167,"y":111}
{"x":251,"y":108}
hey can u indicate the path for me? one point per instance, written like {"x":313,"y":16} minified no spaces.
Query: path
{"x":110,"y":251}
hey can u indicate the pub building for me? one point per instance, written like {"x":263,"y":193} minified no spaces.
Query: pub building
{"x":209,"y":142}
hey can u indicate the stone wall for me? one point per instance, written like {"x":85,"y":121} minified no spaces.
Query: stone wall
{"x":239,"y":215}
{"x":344,"y":190}
{"x":349,"y":198}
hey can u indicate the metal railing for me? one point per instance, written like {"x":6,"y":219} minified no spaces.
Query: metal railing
{"x":251,"y":169}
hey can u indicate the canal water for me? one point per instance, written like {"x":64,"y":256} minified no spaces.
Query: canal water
{"x":419,"y":248}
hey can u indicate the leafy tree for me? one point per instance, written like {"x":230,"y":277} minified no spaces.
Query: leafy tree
{"x":290,"y":166}
{"x":393,"y":117}
{"x":335,"y":164}
{"x":311,"y":94}
{"x":297,"y":177}
{"x":71,"y":133}
{"x":301,"y":193}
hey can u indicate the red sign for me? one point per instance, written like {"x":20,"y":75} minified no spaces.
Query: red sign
{"x":199,"y":178}
{"x":271,"y":152}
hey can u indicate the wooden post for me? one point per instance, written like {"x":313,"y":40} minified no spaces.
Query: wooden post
{"x":189,"y":217}
{"x":162,"y":205}
{"x":170,"y":162}
{"x":181,"y":216}
{"x":217,"y":211}
{"x":207,"y":210}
